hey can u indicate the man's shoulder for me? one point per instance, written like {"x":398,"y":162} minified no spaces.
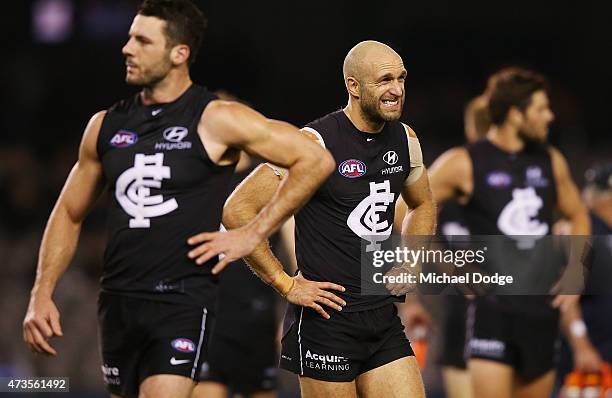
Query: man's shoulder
{"x":323,"y":127}
{"x":457,"y":154}
{"x":124,"y":105}
{"x":326,"y":124}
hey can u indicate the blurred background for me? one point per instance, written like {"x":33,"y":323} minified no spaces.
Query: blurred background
{"x":62,"y":62}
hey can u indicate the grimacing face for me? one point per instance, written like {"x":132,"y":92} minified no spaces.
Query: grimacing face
{"x":537,"y":118}
{"x":382,"y":91}
{"x":147,"y":55}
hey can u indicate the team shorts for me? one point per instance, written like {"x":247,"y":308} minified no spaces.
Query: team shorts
{"x":140,"y":338}
{"x":243,"y":352}
{"x":344,"y":346}
{"x":526,"y":342}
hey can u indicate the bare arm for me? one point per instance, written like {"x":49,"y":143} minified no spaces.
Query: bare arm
{"x":450,"y":176}
{"x":227,"y":125}
{"x":60,"y":238}
{"x":586,"y":357}
{"x":419,"y":215}
{"x":421,"y":220}
{"x":568,"y":198}
{"x":571,"y":208}
{"x":287,"y":242}
{"x":253,"y":194}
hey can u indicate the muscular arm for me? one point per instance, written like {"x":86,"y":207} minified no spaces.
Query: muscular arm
{"x":568,"y":199}
{"x":252,"y":195}
{"x":571,"y":208}
{"x":421,"y":219}
{"x":227,"y":125}
{"x":80,"y":192}
{"x":60,"y":238}
{"x":450,"y":176}
{"x":419,"y":212}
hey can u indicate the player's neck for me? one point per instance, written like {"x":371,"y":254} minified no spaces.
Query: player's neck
{"x":166,"y":90}
{"x":356,"y":116}
{"x":506,"y":138}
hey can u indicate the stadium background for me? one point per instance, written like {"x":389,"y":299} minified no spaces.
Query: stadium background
{"x":61,"y":62}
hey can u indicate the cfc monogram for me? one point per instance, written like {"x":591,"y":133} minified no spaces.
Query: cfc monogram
{"x":519,"y":217}
{"x":133,"y":190}
{"x":365,"y":220}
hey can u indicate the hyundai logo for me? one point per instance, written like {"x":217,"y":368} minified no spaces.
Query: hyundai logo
{"x":175,"y":134}
{"x":390,"y":158}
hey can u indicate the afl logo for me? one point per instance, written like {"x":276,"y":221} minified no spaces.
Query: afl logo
{"x":183,"y":345}
{"x":124,"y":138}
{"x":175,"y":134}
{"x":499,"y":179}
{"x":390,"y":158}
{"x":352,"y":168}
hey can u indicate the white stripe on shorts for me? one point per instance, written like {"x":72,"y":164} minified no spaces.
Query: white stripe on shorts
{"x":300,"y":341}
{"x":202,"y":330}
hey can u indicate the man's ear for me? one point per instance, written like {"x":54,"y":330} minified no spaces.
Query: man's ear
{"x":179,"y":54}
{"x":352,"y":85}
{"x":515,"y":116}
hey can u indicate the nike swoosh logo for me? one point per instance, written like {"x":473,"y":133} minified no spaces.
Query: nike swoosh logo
{"x":174,"y":361}
{"x":155,"y":112}
{"x":369,"y":139}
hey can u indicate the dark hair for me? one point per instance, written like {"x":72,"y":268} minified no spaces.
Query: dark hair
{"x":185,"y":23}
{"x":512,"y":87}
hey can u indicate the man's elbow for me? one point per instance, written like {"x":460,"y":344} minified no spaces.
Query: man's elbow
{"x":322,"y":162}
{"x":319,"y":163}
{"x":328,"y":164}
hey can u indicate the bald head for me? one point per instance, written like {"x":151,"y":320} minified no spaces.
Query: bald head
{"x":362,"y":59}
{"x":374,"y":76}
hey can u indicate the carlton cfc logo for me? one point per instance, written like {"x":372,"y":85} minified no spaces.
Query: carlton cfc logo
{"x":352,"y":168}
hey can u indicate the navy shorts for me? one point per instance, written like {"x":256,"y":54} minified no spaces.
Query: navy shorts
{"x":140,"y":338}
{"x":344,"y":346}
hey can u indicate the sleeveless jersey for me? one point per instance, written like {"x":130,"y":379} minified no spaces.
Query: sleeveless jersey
{"x":451,"y":219}
{"x":355,"y":205}
{"x":513,"y":194}
{"x":163,"y":188}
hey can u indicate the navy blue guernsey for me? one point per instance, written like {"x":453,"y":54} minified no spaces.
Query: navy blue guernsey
{"x":355,"y":205}
{"x":514,"y":194}
{"x":163,"y":188}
